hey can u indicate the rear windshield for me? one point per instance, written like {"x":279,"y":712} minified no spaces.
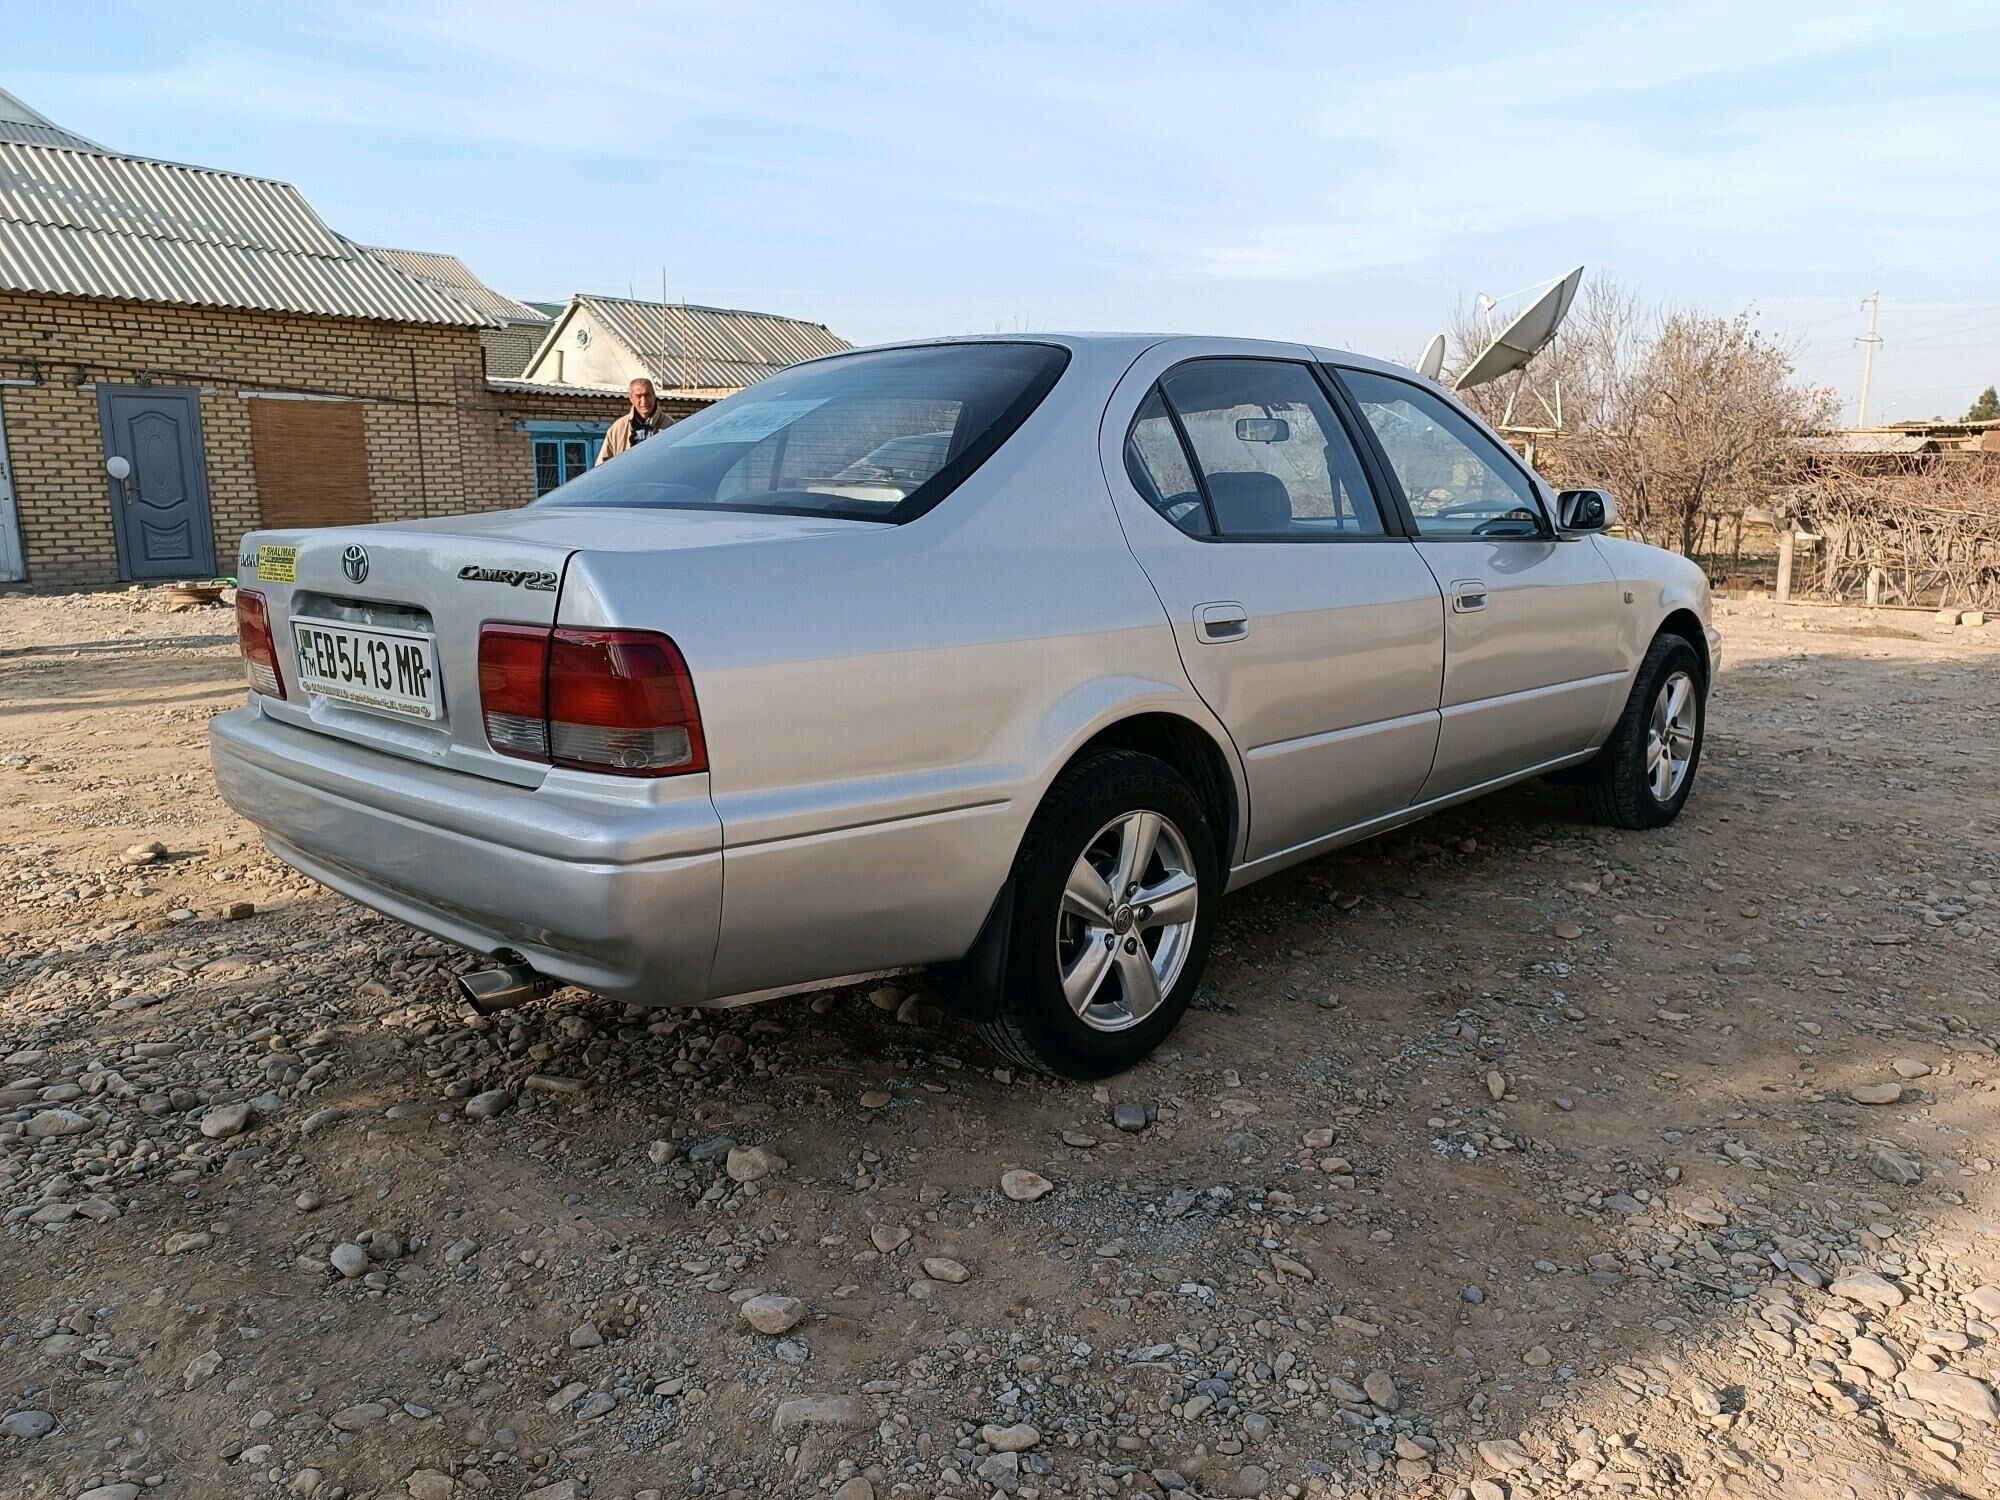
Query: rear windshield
{"x":878,"y":436}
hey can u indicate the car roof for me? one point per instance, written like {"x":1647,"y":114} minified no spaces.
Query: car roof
{"x":1131,"y":345}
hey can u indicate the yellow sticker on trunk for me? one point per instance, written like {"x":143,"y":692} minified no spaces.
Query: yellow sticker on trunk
{"x":278,"y":564}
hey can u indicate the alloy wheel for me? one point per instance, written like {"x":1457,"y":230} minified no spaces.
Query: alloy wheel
{"x":1670,"y":736}
{"x":1127,"y":921}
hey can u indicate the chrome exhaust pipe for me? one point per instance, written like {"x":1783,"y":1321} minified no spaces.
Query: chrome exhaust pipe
{"x":490,"y":990}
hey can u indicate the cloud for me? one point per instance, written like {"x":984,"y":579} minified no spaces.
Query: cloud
{"x":1142,"y":163}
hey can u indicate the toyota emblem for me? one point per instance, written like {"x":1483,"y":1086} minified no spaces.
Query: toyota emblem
{"x":354,"y":563}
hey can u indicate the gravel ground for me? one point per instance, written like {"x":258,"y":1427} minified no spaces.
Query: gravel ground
{"x":1505,"y":1156}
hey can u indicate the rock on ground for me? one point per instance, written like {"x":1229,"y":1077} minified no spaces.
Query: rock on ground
{"x":772,"y":1313}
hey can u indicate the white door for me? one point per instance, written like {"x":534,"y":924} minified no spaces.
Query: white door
{"x":13,"y":563}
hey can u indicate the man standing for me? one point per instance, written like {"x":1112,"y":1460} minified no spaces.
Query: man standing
{"x":644,"y":420}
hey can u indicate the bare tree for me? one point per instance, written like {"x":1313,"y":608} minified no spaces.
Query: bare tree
{"x":1713,"y":425}
{"x":1685,"y":418}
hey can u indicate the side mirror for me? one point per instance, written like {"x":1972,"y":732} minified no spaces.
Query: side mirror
{"x":118,"y":468}
{"x":1586,"y":510}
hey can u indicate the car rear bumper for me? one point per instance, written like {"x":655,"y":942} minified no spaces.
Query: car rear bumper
{"x":620,"y":896}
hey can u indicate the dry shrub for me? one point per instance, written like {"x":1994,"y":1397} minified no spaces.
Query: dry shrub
{"x":1934,"y":533}
{"x":1686,"y":419}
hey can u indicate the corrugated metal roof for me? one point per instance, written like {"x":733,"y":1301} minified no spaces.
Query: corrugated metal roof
{"x":710,"y":348}
{"x":1866,"y":443}
{"x":29,"y":134}
{"x":84,"y":224}
{"x":455,"y":277}
{"x":600,"y":392}
{"x":550,"y":388}
{"x":1948,"y":429}
{"x":20,"y":121}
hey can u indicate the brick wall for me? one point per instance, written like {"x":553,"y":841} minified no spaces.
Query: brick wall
{"x":509,"y":349}
{"x":438,"y":438}
{"x":416,"y":383}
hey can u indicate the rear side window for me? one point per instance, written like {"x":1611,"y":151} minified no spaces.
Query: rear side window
{"x":1273,"y":457}
{"x":878,"y":436}
{"x":1158,"y":466}
{"x":1456,"y":481}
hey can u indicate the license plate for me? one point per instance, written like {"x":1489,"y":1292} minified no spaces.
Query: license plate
{"x":390,"y":671}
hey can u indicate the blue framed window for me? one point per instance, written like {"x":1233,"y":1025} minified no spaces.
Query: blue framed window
{"x":563,"y":450}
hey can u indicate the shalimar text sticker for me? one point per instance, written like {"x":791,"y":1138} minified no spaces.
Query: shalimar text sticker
{"x":278,"y":564}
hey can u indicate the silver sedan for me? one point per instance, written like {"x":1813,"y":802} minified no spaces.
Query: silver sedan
{"x":1008,"y":657}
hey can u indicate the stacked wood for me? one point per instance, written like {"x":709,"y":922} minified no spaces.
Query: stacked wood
{"x":1930,"y":537}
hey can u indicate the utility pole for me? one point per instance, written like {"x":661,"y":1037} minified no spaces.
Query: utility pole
{"x":1870,"y":341}
{"x":665,"y":335}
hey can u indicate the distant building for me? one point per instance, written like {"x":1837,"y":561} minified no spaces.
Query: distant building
{"x":517,"y":328}
{"x":1904,"y":447}
{"x":1956,"y":437}
{"x":254,"y":367}
{"x":30,"y":127}
{"x":688,"y":352}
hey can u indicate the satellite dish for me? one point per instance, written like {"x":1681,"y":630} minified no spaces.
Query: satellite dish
{"x":1433,"y":358}
{"x":1525,"y":337}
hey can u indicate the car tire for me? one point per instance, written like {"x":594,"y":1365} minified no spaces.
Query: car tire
{"x":1071,"y":940}
{"x":1642,"y":776}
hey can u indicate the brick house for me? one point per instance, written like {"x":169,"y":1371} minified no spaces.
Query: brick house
{"x":250,"y":365}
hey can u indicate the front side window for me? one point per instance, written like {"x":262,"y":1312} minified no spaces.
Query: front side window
{"x":1273,"y":457}
{"x":1456,"y":481}
{"x":877,"y":436}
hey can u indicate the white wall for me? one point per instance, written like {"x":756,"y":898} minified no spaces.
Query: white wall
{"x":600,"y":360}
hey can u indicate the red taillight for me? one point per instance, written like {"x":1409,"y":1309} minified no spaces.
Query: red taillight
{"x":621,"y":700}
{"x":253,"y":639}
{"x":597,"y":700}
{"x":514,"y":689}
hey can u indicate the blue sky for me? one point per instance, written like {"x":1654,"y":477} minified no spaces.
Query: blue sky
{"x":1344,"y":173}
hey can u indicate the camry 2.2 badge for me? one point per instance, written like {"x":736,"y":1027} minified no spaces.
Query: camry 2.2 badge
{"x":520,"y":578}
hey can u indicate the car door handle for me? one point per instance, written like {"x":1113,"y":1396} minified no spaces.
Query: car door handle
{"x":1468,"y":595}
{"x":1221,"y":622}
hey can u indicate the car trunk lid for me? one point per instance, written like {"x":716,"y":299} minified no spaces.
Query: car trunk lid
{"x":376,"y":628}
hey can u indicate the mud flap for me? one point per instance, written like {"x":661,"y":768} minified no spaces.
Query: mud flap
{"x":973,"y":986}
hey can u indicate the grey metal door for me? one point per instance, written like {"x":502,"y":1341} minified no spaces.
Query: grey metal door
{"x":161,"y":511}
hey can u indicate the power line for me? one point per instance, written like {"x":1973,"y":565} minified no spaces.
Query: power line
{"x":1815,"y":323}
{"x":1993,"y":343}
{"x":1963,"y":312}
{"x":1949,"y":333}
{"x":1927,"y":390}
{"x":1901,"y":330}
